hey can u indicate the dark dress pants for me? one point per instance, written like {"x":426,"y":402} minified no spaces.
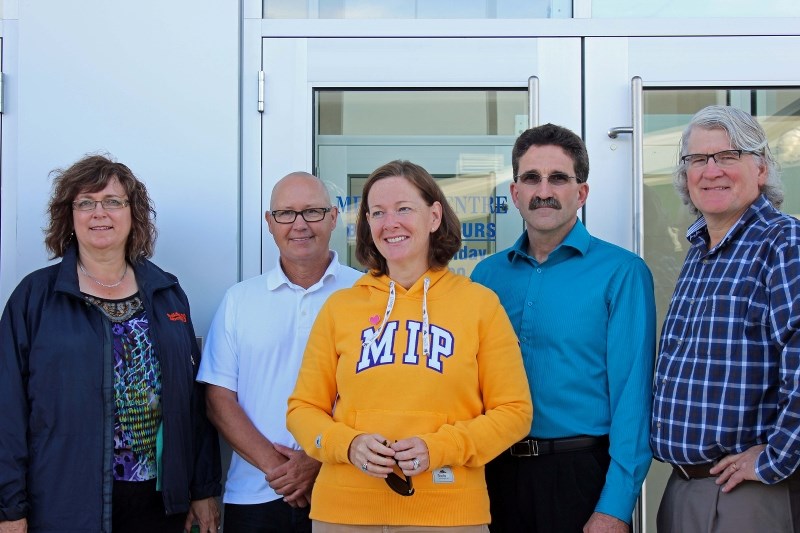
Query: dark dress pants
{"x":136,"y":506}
{"x":554,"y":493}
{"x":276,"y":516}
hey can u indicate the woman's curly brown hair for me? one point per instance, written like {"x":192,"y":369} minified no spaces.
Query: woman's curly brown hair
{"x":92,"y":174}
{"x":444,"y":242}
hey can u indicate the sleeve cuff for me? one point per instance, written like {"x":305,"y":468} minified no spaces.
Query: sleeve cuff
{"x":619,"y":506}
{"x":767,"y":472}
{"x":334,"y":444}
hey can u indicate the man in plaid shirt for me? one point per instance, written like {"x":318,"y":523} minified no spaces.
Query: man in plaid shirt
{"x":726,"y":409}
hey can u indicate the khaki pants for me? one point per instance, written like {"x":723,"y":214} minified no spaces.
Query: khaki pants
{"x":699,"y":506}
{"x":325,"y":527}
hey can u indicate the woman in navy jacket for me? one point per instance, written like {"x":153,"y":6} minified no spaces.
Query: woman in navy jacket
{"x":102,"y":424}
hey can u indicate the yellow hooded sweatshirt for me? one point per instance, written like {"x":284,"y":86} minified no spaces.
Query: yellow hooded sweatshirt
{"x":468,"y":398}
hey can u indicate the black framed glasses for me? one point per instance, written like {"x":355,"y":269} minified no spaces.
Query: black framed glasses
{"x":108,"y":204}
{"x":400,"y":483}
{"x":724,"y":158}
{"x":556,"y":179}
{"x":288,"y":216}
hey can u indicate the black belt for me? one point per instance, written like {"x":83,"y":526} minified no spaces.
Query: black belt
{"x":700,"y":471}
{"x":532,"y":447}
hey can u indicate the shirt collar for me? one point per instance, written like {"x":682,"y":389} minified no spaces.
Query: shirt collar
{"x":577,"y":239}
{"x":699,"y":229}
{"x":276,"y":277}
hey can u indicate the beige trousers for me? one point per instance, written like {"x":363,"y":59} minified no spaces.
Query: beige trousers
{"x":325,"y":527}
{"x":699,"y":506}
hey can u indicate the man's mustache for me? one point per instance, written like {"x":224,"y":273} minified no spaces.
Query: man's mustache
{"x":551,"y":202}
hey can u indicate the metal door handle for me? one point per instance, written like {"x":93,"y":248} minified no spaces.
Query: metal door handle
{"x":533,"y":101}
{"x":637,"y":168}
{"x":614,"y":132}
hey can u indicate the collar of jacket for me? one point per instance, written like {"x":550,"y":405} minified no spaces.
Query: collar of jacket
{"x":149,"y":277}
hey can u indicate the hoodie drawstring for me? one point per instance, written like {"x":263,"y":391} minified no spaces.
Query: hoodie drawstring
{"x":389,"y":306}
{"x":426,"y":337}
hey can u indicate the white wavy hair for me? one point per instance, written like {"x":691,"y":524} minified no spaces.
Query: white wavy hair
{"x":745,"y":133}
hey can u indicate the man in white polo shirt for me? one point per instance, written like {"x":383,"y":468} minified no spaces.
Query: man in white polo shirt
{"x":252,"y":356}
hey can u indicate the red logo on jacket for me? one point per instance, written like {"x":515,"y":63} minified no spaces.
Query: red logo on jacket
{"x":177,"y":316}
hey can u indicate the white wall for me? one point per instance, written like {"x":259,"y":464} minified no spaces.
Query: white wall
{"x":154,"y":83}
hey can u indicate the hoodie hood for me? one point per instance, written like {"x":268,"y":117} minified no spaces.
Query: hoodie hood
{"x":438,"y":280}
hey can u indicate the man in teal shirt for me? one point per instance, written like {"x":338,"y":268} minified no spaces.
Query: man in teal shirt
{"x":584,"y":312}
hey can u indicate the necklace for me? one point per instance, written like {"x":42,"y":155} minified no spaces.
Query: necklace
{"x":117,"y":284}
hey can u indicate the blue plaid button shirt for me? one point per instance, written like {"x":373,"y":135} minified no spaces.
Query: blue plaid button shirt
{"x":728,"y":370}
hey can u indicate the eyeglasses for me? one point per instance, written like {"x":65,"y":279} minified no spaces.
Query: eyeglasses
{"x":401,"y":485}
{"x":725,"y":158}
{"x":556,"y":179}
{"x":109,"y":204}
{"x":288,"y":216}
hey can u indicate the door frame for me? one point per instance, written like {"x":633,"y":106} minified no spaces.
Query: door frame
{"x":294,"y":67}
{"x":612,"y":104}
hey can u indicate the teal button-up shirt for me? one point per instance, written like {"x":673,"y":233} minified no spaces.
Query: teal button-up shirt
{"x":585,"y":319}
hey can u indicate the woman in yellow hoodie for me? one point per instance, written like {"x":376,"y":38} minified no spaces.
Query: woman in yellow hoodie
{"x":412,"y":380}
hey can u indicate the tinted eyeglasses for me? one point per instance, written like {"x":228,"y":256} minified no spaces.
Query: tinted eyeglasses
{"x":556,"y":179}
{"x":400,"y":484}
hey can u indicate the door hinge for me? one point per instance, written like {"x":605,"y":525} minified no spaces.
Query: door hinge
{"x":260,"y":91}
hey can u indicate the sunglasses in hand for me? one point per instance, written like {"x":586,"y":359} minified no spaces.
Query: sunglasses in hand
{"x":399,"y":483}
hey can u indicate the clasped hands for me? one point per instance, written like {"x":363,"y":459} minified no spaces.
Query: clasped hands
{"x":375,"y":455}
{"x":294,"y":477}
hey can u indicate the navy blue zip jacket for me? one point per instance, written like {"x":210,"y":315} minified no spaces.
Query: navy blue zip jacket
{"x":57,"y":402}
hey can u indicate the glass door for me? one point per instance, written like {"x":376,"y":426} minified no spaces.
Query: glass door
{"x":461,"y":136}
{"x":653,"y":88}
{"x":340,"y":107}
{"x":343,"y":107}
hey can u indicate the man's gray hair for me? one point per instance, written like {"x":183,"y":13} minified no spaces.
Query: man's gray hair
{"x":745,"y":133}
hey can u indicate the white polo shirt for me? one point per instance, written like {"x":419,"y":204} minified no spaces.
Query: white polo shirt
{"x":254,"y":347}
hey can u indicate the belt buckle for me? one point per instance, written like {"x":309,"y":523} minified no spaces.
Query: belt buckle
{"x":532,"y":449}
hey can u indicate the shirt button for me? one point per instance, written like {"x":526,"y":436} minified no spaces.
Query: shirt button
{"x":706,"y":261}
{"x":530,"y":304}
{"x":539,"y":270}
{"x":658,"y":424}
{"x":679,"y":342}
{"x":523,"y":339}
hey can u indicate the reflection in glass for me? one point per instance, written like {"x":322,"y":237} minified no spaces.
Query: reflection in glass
{"x":462,"y":137}
{"x":420,"y":112}
{"x":666,"y":219}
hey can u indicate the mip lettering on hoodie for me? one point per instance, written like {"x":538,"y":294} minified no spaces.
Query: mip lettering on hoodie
{"x":384,"y":350}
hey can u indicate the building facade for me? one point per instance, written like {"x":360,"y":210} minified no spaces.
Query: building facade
{"x":210,"y":103}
